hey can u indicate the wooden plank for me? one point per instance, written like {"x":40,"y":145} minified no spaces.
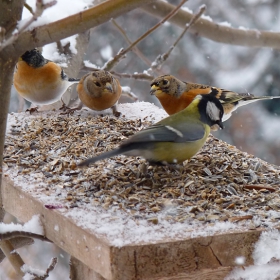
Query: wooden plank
{"x":142,"y":261}
{"x":77,"y":242}
{"x":80,"y":271}
{"x":205,"y":274}
{"x":190,"y":255}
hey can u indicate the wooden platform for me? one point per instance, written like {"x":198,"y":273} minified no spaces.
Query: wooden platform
{"x":115,"y":240}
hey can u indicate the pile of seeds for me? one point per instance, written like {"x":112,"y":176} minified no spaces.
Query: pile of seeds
{"x":221,"y":183}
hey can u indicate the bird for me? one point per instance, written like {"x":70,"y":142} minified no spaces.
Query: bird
{"x":175,"y":95}
{"x":40,"y":80}
{"x":173,"y":139}
{"x":99,"y":90}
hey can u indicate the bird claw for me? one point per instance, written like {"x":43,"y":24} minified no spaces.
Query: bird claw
{"x":69,"y":111}
{"x":117,"y":114}
{"x":64,"y":107}
{"x":32,"y":110}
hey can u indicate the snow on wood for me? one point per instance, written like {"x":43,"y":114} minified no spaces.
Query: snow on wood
{"x":125,"y":217}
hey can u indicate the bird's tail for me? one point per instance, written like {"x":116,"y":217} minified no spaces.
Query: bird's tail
{"x":100,"y":157}
{"x":263,"y":97}
{"x":250,"y":99}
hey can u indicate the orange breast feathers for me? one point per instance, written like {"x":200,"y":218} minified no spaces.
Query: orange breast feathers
{"x":173,"y":104}
{"x":99,"y":90}
{"x":41,"y":84}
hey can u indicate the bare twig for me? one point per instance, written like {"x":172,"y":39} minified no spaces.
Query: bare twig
{"x":13,"y":234}
{"x":40,"y":7}
{"x":126,"y":91}
{"x":2,"y":33}
{"x":28,"y":8}
{"x":115,"y":60}
{"x":135,"y":49}
{"x":138,"y":76}
{"x":111,"y":63}
{"x":30,"y":271}
{"x":51,"y":266}
{"x":162,"y":58}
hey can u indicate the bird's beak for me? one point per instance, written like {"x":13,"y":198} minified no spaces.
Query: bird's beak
{"x":109,"y":87}
{"x":220,"y":124}
{"x":217,"y":126}
{"x":153,"y":90}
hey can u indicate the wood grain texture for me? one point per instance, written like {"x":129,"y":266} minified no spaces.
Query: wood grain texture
{"x":206,"y":257}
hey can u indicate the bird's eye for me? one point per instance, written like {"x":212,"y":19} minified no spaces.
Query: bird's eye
{"x":98,"y":84}
{"x":165,"y":82}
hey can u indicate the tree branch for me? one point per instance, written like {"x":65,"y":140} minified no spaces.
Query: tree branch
{"x":26,"y":269}
{"x":17,"y":233}
{"x":14,"y":258}
{"x":162,"y":58}
{"x":17,"y":243}
{"x":135,"y":76}
{"x":217,"y":32}
{"x":115,"y":60}
{"x":40,"y":7}
{"x":135,"y":49}
{"x":138,"y":76}
{"x":74,"y":24}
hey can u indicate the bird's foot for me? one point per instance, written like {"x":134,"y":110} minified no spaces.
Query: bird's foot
{"x":32,"y":110}
{"x":116,"y":113}
{"x":64,"y":107}
{"x":69,"y":111}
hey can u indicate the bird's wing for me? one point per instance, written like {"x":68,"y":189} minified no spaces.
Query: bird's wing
{"x":166,"y":133}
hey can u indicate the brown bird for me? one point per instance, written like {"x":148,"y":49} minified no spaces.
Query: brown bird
{"x":175,"y":95}
{"x":99,"y":90}
{"x":40,"y":80}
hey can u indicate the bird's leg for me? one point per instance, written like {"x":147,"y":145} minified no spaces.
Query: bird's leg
{"x":116,"y":113}
{"x":63,"y":107}
{"x":163,"y":164}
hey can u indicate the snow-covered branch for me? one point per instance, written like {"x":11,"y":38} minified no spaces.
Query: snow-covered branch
{"x":217,"y":32}
{"x":40,"y":7}
{"x":76,"y":23}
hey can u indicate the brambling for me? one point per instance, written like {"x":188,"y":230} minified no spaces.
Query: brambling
{"x":175,"y":95}
{"x":40,"y":80}
{"x":99,"y":90}
{"x":175,"y":138}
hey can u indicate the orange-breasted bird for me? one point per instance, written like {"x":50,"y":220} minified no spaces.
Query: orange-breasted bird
{"x":175,"y":95}
{"x":40,"y":80}
{"x":99,"y":90}
{"x":175,"y":138}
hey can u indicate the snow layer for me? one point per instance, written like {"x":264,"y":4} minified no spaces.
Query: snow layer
{"x":266,"y":257}
{"x":117,"y":225}
{"x":34,"y":226}
{"x":62,"y":9}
